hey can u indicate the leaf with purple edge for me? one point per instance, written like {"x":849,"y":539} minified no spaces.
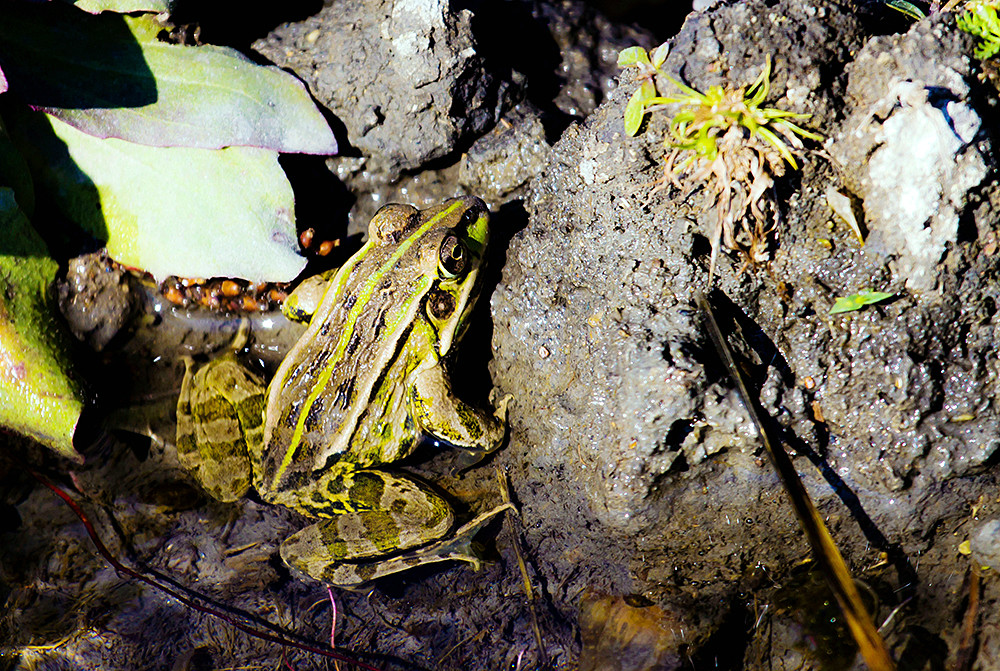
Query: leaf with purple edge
{"x":123,"y":6}
{"x":169,"y":210}
{"x":110,"y":76}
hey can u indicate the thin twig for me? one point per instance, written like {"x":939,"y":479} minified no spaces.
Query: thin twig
{"x":529,"y":590}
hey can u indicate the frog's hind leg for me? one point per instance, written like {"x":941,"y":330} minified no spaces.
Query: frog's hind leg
{"x":454,"y":547}
{"x":220,"y":408}
{"x":373,"y":517}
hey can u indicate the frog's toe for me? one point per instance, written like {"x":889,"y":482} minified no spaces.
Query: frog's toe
{"x":459,"y":545}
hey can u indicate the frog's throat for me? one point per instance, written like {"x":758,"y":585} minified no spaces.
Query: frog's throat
{"x":364,"y":297}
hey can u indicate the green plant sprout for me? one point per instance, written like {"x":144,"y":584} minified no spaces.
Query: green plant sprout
{"x":980,"y":18}
{"x":858,"y":301}
{"x":730,"y":140}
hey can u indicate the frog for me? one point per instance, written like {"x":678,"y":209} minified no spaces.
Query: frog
{"x":357,"y":392}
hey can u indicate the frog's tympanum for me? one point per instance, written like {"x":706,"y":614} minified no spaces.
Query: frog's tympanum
{"x":354,"y":395}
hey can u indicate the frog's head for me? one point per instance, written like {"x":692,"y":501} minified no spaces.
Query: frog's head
{"x":454,"y":256}
{"x":448,"y":246}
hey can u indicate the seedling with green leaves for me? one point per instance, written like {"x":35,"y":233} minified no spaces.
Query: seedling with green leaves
{"x":859,"y":300}
{"x":980,"y":18}
{"x":727,"y":139}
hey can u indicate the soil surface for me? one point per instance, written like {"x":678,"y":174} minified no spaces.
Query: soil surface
{"x":652,"y":533}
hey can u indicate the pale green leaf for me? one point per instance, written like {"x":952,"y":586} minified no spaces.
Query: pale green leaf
{"x":110,"y":76}
{"x":858,"y":301}
{"x":123,"y":6}
{"x":40,"y":398}
{"x":907,"y":8}
{"x":659,"y":54}
{"x":170,"y":211}
{"x":632,"y":56}
{"x":634,"y":112}
{"x":636,"y":108}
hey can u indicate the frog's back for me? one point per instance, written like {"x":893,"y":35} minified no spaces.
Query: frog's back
{"x":340,"y":394}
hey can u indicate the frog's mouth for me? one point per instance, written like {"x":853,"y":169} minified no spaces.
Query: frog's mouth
{"x":465,"y":302}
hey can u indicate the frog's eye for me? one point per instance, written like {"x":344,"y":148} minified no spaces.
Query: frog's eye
{"x":453,"y":257}
{"x":469,"y":217}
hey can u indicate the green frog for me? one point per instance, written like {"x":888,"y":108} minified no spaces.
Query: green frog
{"x":353,"y":396}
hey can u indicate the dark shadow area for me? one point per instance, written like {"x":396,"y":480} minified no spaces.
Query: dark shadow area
{"x":881,"y":19}
{"x":54,"y":55}
{"x":322,"y":203}
{"x":726,"y":647}
{"x":55,"y":171}
{"x":663,"y":18}
{"x":234,"y":24}
{"x":469,"y":374}
{"x":536,"y":55}
{"x":746,"y":338}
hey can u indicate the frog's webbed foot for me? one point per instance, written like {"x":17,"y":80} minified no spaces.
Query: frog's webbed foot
{"x":220,"y":409}
{"x":459,"y":545}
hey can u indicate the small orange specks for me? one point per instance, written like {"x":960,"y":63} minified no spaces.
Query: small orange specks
{"x":174,"y":295}
{"x":231,"y":288}
{"x":326,"y":247}
{"x":809,"y":383}
{"x":306,"y":237}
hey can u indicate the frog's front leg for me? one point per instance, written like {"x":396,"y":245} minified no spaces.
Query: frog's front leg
{"x":438,"y":412}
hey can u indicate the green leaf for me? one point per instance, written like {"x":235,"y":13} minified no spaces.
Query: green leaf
{"x":40,"y":399}
{"x":123,"y":6}
{"x":659,"y":54}
{"x":636,"y":108}
{"x":632,"y":56}
{"x":858,"y":301}
{"x":907,"y":8}
{"x":170,"y":211}
{"x":110,"y":76}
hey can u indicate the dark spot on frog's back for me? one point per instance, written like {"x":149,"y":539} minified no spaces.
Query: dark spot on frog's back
{"x":315,"y":414}
{"x":345,"y":391}
{"x":367,"y":490}
{"x":352,"y":344}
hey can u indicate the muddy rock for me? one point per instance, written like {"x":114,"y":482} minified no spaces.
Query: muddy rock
{"x":506,"y":158}
{"x":404,"y":77}
{"x":911,"y":148}
{"x":95,"y":299}
{"x":649,"y":461}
